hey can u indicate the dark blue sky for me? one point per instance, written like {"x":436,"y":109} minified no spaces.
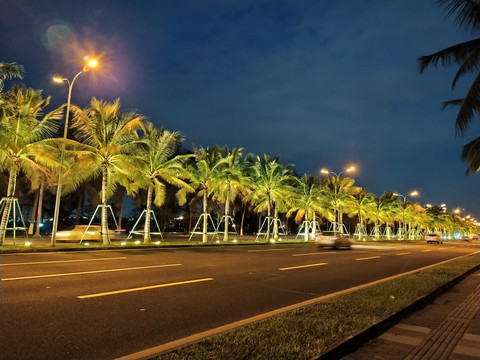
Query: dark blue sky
{"x":321,"y":83}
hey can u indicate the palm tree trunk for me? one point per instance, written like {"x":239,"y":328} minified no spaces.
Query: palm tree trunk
{"x":205,"y":223}
{"x":39,"y":208}
{"x":275,"y":222}
{"x":104,"y":219}
{"x":268,"y":220}
{"x":79,"y":206}
{"x":8,"y":205}
{"x":34,"y":210}
{"x":227,"y":211}
{"x":146,"y":230}
{"x":243,"y":219}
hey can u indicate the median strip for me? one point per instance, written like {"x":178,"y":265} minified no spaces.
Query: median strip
{"x":88,"y":272}
{"x":115,"y":292}
{"x":301,"y":266}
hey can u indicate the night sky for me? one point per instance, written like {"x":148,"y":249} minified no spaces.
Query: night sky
{"x":320,"y":83}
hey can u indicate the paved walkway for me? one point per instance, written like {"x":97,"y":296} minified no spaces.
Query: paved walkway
{"x":447,"y":329}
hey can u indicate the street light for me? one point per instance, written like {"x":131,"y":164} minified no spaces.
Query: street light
{"x":326,"y":172}
{"x":413,"y":194}
{"x":91,"y":63}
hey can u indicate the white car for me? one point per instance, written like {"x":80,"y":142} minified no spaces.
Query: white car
{"x":75,"y":234}
{"x":333,"y":240}
{"x":433,"y":238}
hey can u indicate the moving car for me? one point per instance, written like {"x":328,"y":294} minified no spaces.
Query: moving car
{"x":76,"y":233}
{"x":332,"y":239}
{"x":433,"y":238}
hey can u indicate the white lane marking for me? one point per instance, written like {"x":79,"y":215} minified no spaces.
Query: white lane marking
{"x":318,"y":253}
{"x":404,"y":253}
{"x":270,"y":250}
{"x":89,"y":272}
{"x":63,"y":261}
{"x":142,"y":288}
{"x":425,"y":250}
{"x":301,"y":266}
{"x":368,"y":258}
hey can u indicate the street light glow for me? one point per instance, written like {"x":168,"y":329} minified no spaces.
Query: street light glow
{"x":57,"y":79}
{"x":92,"y":63}
{"x":414,"y":193}
{"x":350,"y":169}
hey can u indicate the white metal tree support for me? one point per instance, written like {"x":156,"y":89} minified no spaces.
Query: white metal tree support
{"x":272,"y":222}
{"x":388,"y":233}
{"x":214,"y":232}
{"x":337,"y":227}
{"x":91,"y":219}
{"x":152,"y":214}
{"x":376,"y":232}
{"x":360,"y":232}
{"x":309,"y":228}
{"x":13,"y":208}
{"x":401,"y":233}
{"x":230,"y":221}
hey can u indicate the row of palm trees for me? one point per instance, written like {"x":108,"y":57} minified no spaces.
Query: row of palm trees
{"x":123,"y":150}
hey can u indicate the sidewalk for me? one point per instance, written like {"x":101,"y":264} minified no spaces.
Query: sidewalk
{"x":446,"y":329}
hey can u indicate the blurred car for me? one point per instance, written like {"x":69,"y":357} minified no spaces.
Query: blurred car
{"x":76,"y":233}
{"x":433,"y":238}
{"x":332,"y":239}
{"x":465,"y":238}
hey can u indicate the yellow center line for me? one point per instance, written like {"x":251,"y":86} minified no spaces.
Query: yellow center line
{"x":142,"y":288}
{"x":301,"y":266}
{"x":404,"y":253}
{"x":63,"y":261}
{"x":88,"y":272}
{"x":425,"y":250}
{"x":368,"y":258}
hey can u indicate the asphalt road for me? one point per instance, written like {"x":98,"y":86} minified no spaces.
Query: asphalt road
{"x":107,"y":304}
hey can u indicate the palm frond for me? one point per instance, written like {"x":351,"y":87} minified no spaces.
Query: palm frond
{"x":471,"y":155}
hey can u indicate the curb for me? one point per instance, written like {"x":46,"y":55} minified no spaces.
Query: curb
{"x":354,"y":342}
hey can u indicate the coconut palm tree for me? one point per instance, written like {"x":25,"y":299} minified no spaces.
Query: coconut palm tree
{"x":204,"y":179}
{"x":309,"y":203}
{"x":340,"y":194}
{"x":365,"y":205}
{"x":9,"y":71}
{"x":467,"y":56}
{"x":159,"y":165}
{"x":25,"y":145}
{"x":231,"y":180}
{"x":272,"y":184}
{"x":109,"y":140}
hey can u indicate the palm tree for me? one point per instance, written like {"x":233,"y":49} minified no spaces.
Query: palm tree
{"x":272,"y":184}
{"x":9,"y":71}
{"x":232,"y":181}
{"x":160,"y":166}
{"x":309,"y":202}
{"x":365,"y":206}
{"x":384,"y":212}
{"x":108,"y":139}
{"x":25,"y":146}
{"x":340,"y":194}
{"x":467,"y":56}
{"x":204,"y":175}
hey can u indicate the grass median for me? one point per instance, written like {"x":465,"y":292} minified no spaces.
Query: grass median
{"x":309,"y":331}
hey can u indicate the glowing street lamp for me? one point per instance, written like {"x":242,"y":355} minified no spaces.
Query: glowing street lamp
{"x":90,"y":64}
{"x":412,"y":194}
{"x":327,"y":172}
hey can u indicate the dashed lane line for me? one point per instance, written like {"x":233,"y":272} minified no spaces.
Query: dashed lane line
{"x":63,"y":261}
{"x":368,"y":258}
{"x":88,"y":272}
{"x":301,"y":266}
{"x":115,"y":292}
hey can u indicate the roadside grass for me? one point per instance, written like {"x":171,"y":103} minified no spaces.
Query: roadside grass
{"x":308,"y":332}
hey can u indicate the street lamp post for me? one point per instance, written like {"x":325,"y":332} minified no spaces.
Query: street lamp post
{"x":413,"y":194}
{"x":89,"y":65}
{"x":326,"y":172}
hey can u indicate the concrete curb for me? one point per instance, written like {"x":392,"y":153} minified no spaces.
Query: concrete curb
{"x":354,"y":342}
